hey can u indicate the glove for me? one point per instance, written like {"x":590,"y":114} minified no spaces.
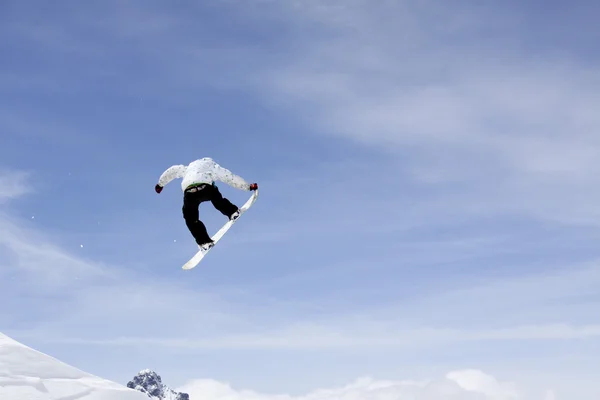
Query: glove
{"x":253,"y":186}
{"x":158,"y":188}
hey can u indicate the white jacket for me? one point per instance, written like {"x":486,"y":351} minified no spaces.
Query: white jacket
{"x":204,"y":170}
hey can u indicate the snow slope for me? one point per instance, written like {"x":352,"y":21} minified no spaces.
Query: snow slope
{"x":27,"y":374}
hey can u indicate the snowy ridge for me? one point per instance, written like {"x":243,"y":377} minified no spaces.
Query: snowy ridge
{"x":27,"y":374}
{"x":150,"y":383}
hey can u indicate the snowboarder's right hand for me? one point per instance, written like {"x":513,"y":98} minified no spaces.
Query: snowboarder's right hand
{"x":158,"y":188}
{"x":253,"y":186}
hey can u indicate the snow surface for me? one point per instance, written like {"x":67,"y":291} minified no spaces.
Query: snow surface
{"x":27,"y":374}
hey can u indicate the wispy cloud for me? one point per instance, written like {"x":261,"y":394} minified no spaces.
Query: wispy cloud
{"x":14,"y":184}
{"x":463,"y":213}
{"x":323,"y":338}
{"x":429,"y":320}
{"x":32,"y":255}
{"x":511,"y":132}
{"x":60,"y":291}
{"x":458,"y":106}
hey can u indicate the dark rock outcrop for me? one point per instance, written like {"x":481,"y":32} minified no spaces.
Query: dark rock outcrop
{"x":150,"y":383}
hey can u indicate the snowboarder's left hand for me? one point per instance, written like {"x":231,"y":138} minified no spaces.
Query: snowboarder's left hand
{"x":158,"y":188}
{"x":253,"y":186}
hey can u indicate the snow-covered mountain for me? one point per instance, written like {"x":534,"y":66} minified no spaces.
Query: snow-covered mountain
{"x":150,"y":383}
{"x":27,"y":374}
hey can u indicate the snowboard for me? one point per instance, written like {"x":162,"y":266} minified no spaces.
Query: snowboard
{"x":195,"y":260}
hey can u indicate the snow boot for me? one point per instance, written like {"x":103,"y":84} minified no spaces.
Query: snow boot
{"x":235,"y":215}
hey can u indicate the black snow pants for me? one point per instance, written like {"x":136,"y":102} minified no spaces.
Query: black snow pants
{"x":192,"y":198}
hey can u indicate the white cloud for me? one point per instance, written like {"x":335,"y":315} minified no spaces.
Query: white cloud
{"x":61,"y":291}
{"x":517,"y":138}
{"x":29,"y":253}
{"x":14,"y":184}
{"x":510,"y":131}
{"x":35,"y":254}
{"x":456,"y":385}
{"x":559,"y":308}
{"x":312,"y":337}
{"x":87,"y":293}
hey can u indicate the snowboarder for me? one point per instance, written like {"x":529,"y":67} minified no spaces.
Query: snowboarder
{"x":198,"y":186}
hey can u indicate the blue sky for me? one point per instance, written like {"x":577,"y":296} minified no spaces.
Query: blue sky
{"x":428,"y":175}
